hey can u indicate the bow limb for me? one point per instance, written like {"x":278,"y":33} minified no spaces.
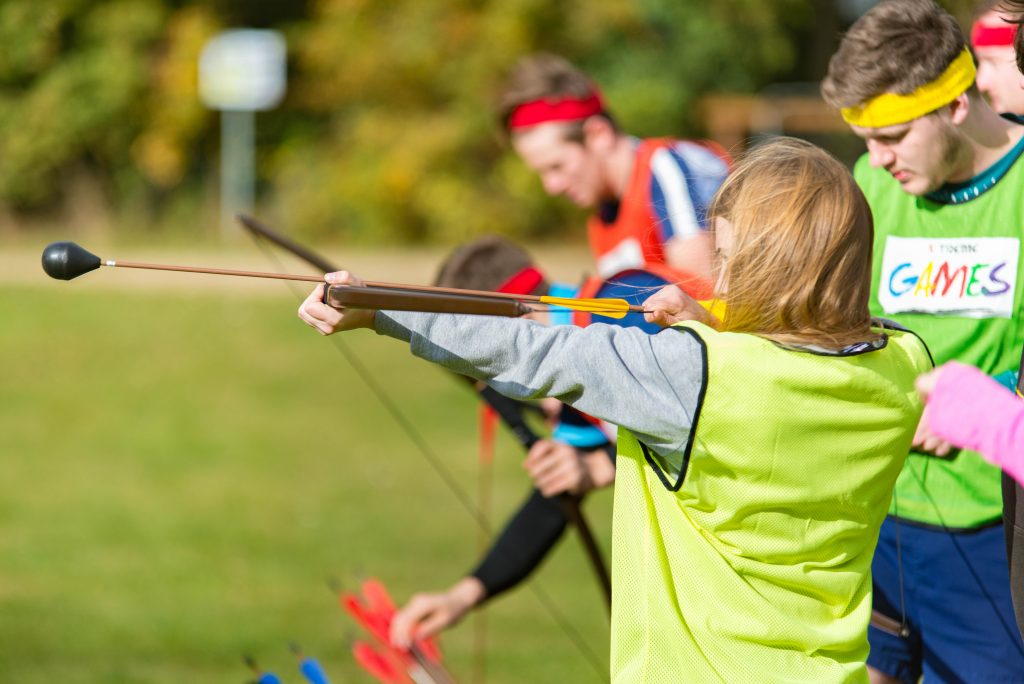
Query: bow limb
{"x":309,"y":256}
{"x":510,"y":412}
{"x":369,"y":297}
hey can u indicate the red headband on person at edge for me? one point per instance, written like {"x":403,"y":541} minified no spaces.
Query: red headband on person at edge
{"x":987,"y":35}
{"x":522,"y":282}
{"x":546,"y":110}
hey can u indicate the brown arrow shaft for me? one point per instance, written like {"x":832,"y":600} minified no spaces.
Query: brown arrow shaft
{"x":213,"y":271}
{"x":480,"y":294}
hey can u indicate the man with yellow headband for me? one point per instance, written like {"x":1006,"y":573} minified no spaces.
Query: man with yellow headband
{"x":943,"y":176}
{"x":649,"y":196}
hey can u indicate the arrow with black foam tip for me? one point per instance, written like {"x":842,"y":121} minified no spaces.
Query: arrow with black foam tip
{"x":67,"y":260}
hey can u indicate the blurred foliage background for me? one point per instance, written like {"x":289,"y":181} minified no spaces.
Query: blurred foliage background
{"x":386,"y":133}
{"x":183,"y":470}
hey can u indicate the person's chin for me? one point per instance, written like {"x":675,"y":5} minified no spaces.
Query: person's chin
{"x":911,"y":184}
{"x":916,"y":189}
{"x":919,"y":187}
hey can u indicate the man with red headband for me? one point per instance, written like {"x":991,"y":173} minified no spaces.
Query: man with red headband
{"x":649,"y":196}
{"x":992,"y":42}
{"x":942,"y":174}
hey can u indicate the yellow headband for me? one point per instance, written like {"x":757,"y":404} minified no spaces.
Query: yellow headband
{"x":890,"y":109}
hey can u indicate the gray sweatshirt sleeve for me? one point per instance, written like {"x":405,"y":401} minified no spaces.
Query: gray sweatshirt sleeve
{"x":648,"y":384}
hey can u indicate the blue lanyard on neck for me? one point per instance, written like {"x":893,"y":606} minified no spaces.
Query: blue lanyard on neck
{"x":958,"y":193}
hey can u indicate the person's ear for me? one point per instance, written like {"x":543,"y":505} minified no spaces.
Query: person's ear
{"x":598,"y":134}
{"x":959,"y":108}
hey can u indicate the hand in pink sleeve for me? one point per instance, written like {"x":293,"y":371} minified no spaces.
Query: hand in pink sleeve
{"x":972,"y":411}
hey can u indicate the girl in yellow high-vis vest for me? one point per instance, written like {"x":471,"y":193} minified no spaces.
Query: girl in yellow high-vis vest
{"x":757,"y":453}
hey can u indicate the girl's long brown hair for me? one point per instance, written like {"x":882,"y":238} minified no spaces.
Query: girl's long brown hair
{"x":799,"y":270}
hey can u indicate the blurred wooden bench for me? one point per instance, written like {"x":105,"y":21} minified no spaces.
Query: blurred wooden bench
{"x":732,"y":120}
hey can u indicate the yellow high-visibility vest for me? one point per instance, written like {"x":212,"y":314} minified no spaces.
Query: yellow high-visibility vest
{"x":747,"y":557}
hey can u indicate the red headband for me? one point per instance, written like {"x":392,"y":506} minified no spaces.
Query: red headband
{"x":545,"y":110}
{"x":983,"y":35}
{"x":523,"y":282}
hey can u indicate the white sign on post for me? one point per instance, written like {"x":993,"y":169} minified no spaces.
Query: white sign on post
{"x":241,"y":71}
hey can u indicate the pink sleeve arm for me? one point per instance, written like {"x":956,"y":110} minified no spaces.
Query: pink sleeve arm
{"x":972,"y":411}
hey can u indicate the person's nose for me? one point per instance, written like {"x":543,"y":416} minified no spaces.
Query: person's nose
{"x":880,"y":155}
{"x":983,"y":78}
{"x":553,"y":184}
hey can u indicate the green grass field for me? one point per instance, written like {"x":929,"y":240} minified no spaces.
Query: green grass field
{"x":180,"y":473}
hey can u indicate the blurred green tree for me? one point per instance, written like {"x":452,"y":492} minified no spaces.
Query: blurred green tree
{"x":70,"y":77}
{"x":400,"y":142}
{"x":387,"y":132}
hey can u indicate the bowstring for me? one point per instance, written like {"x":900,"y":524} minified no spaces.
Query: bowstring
{"x":641,"y":290}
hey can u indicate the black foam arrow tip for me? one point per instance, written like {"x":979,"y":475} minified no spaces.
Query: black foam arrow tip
{"x":66,"y":260}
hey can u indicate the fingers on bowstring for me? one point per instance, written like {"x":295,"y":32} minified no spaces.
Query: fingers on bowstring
{"x":343,"y":278}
